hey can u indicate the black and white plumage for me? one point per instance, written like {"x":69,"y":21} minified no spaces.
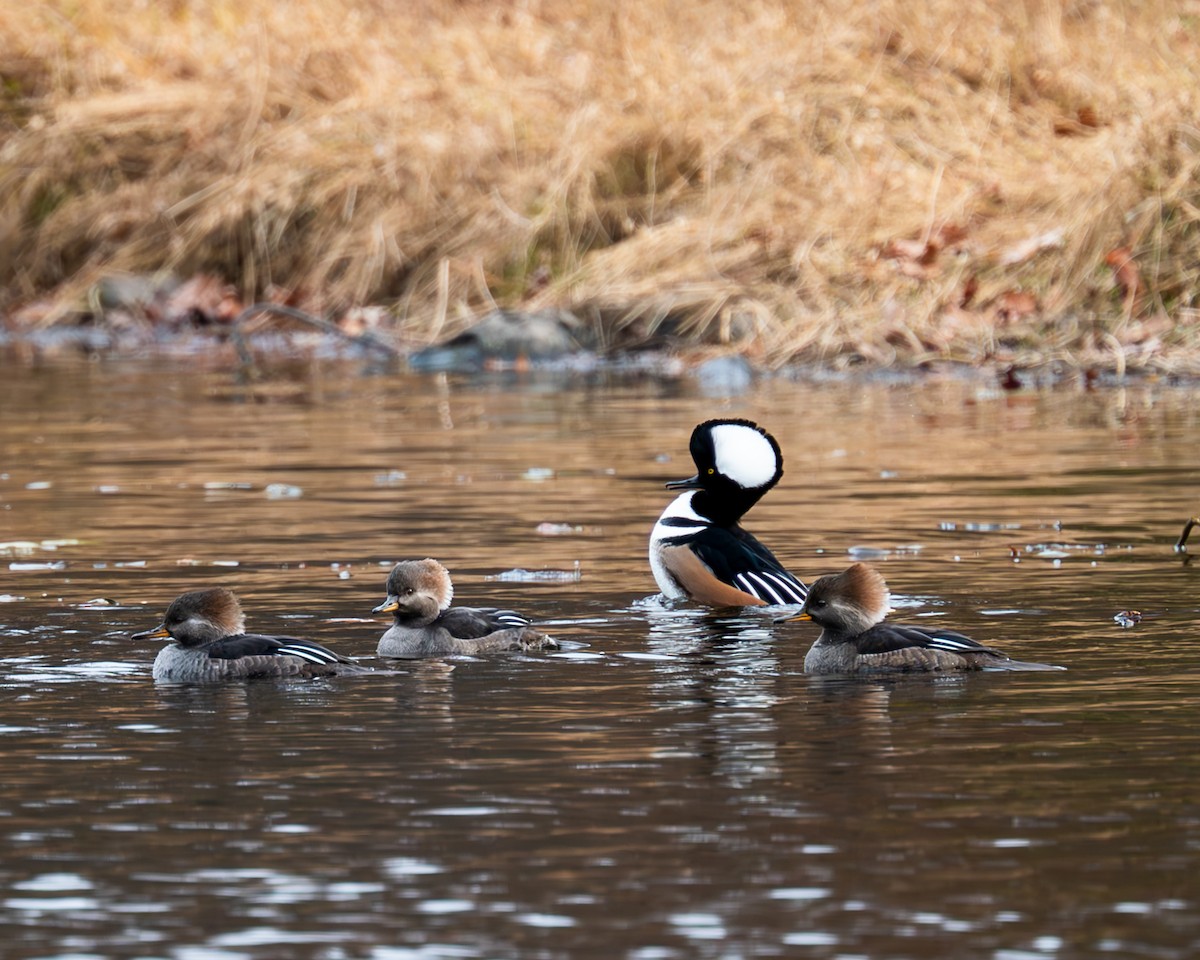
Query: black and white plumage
{"x":698,"y":549}
{"x":209,"y":643}
{"x":850,"y":607}
{"x":424,"y":624}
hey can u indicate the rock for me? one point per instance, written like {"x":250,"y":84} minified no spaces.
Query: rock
{"x":504,"y":335}
{"x":725,"y":376}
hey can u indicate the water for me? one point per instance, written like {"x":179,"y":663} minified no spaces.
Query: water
{"x":670,"y":786}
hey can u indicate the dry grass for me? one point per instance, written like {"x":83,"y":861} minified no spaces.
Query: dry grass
{"x":806,"y":180}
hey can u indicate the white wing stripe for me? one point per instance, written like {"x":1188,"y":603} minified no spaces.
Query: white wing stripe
{"x":763,"y":587}
{"x":949,"y":643}
{"x":311,"y":654}
{"x":792,"y":589}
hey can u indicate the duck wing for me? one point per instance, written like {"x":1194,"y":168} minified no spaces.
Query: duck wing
{"x":261,"y":645}
{"x":736,"y":557}
{"x":892,"y":642}
{"x":470,"y":623}
{"x":888,"y":637}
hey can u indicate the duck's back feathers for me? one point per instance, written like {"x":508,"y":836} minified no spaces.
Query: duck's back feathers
{"x":249,"y":657}
{"x":473,"y":622}
{"x":735,"y":556}
{"x":900,"y":648}
{"x":257,"y":644}
{"x":886,"y":637}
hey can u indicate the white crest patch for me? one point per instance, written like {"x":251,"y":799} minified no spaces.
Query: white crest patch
{"x":744,"y":455}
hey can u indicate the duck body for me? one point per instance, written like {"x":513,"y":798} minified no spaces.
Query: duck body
{"x":209,"y":644}
{"x":247,"y":656}
{"x":424,"y":624}
{"x":889,"y":648}
{"x":850,"y":607}
{"x":698,"y":548}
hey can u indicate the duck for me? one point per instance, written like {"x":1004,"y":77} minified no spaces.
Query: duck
{"x":209,"y":643}
{"x":850,"y":608}
{"x":698,"y":548}
{"x":419,"y":593}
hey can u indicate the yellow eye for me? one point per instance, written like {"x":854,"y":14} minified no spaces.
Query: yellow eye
{"x":711,"y":471}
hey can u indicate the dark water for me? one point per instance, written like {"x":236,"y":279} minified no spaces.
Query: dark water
{"x":671,"y":787}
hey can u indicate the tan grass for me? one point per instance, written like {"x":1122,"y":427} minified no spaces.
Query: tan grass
{"x":807,"y":180}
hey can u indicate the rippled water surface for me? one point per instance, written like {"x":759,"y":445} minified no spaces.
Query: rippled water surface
{"x":671,"y":785}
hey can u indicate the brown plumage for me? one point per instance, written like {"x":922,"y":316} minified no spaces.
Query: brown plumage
{"x":425,"y":625}
{"x":209,"y":643}
{"x":850,"y":607}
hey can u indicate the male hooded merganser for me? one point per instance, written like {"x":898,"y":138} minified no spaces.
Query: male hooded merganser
{"x":418,"y":596}
{"x":697,"y":549}
{"x":210,"y":643}
{"x":850,"y":607}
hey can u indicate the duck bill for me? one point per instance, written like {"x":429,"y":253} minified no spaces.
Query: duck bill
{"x":158,"y":633}
{"x":691,"y":483}
{"x":390,"y":605}
{"x":794,"y":617}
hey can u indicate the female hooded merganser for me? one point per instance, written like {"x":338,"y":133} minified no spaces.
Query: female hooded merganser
{"x":697,"y":549}
{"x":418,"y":596}
{"x":210,"y":643}
{"x":850,"y":607}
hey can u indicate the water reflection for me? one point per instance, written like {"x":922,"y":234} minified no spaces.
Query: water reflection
{"x":670,"y":784}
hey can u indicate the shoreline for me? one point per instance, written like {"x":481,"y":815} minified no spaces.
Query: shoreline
{"x":721,"y":370}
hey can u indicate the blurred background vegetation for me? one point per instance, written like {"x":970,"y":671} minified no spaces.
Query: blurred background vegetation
{"x":798,"y":180}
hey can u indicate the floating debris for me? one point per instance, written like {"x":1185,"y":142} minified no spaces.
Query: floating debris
{"x":10,"y":598}
{"x":24,"y":567}
{"x":283,"y":491}
{"x":1046,"y":551}
{"x":548,"y":529}
{"x":26,"y":548}
{"x":868,"y":553}
{"x":39,"y":485}
{"x":19,"y":548}
{"x":227,"y":485}
{"x":878,"y":553}
{"x":1128,"y":618}
{"x":539,"y":576}
{"x":226,"y":563}
{"x":391,"y":478}
{"x":131,"y":563}
{"x":108,"y":488}
{"x":537,"y":474}
{"x":1057,"y":552}
{"x":97,"y":602}
{"x":973,"y":527}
